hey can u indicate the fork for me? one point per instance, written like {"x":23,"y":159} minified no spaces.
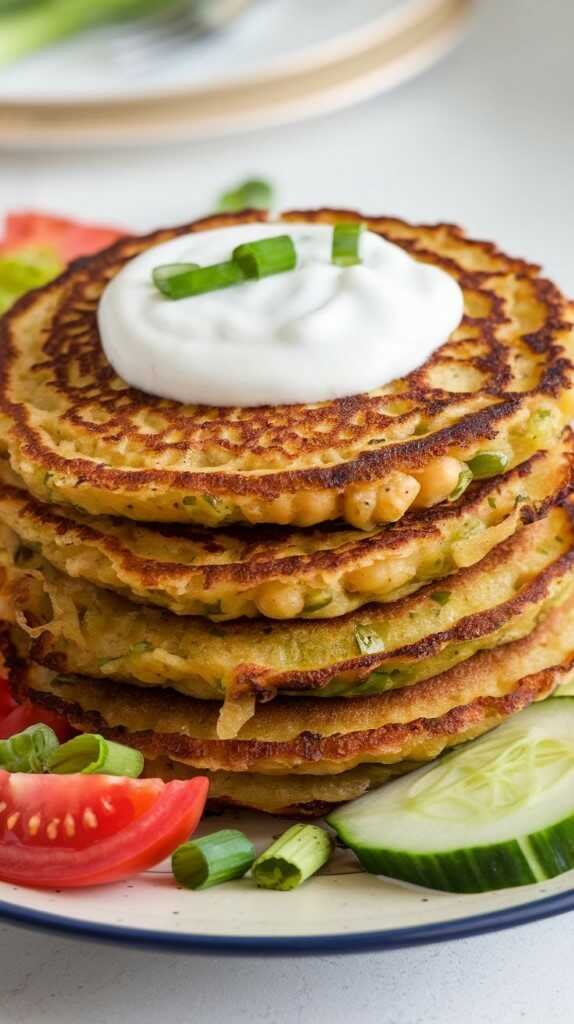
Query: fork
{"x":141,"y":43}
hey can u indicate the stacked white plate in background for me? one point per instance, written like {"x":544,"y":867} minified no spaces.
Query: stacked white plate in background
{"x":281,"y":60}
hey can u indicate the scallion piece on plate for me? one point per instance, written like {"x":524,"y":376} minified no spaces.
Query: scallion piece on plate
{"x":212,"y":859}
{"x":28,"y":751}
{"x":91,"y":754}
{"x":293,"y":858}
{"x":193,"y":280}
{"x":346,"y":238}
{"x":266,"y":256}
{"x":254,"y":194}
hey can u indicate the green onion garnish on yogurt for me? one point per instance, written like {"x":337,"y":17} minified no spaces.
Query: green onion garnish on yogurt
{"x":193,"y":280}
{"x":266,"y":257}
{"x":249,"y":262}
{"x":346,"y":239}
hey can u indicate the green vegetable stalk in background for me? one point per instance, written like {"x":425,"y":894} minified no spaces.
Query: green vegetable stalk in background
{"x":25,"y":269}
{"x":27,"y":26}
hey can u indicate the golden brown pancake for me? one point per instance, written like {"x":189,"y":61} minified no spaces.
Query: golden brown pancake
{"x":77,"y":434}
{"x":281,"y":572}
{"x":315,"y":737}
{"x":302,"y":796}
{"x":74,"y":627}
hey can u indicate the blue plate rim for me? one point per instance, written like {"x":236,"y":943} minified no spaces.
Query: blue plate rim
{"x":355,"y":942}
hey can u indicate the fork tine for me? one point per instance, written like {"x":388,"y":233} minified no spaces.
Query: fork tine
{"x":155,"y":37}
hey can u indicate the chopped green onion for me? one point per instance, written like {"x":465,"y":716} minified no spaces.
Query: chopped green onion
{"x":368,"y":640}
{"x":212,"y":859}
{"x":292,"y":858}
{"x":486,"y":464}
{"x":91,"y":754}
{"x":163,"y":275}
{"x":345,"y":250}
{"x":28,"y":751}
{"x":197,"y":280}
{"x":464,"y":479}
{"x":441,"y":597}
{"x":266,"y":256}
{"x":317,"y":599}
{"x":142,"y":647}
{"x":254,"y":194}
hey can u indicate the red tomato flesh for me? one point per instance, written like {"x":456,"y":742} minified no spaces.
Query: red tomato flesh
{"x":7,"y":702}
{"x":20,"y":716}
{"x":68,"y":238}
{"x":66,"y":831}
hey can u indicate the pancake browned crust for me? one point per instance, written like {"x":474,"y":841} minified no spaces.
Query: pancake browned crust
{"x":302,"y":796}
{"x":284,"y":573}
{"x":73,"y":626}
{"x":318,"y":737}
{"x":78,"y":434}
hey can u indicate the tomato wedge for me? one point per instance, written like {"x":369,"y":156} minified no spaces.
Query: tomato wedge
{"x":68,"y":238}
{"x":18,"y":717}
{"x":7,"y":702}
{"x":66,"y":831}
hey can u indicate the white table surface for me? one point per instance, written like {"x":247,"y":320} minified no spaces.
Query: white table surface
{"x":485,"y":139}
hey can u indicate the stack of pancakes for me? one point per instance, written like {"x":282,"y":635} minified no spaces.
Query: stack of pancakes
{"x":304,"y":601}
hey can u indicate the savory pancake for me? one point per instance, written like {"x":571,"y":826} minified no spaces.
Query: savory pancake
{"x":282,"y":573}
{"x":317,"y":737}
{"x":74,"y":627}
{"x":79,"y":435}
{"x":308,"y":796}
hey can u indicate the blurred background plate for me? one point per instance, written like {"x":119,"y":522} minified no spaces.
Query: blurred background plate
{"x":275,"y":63}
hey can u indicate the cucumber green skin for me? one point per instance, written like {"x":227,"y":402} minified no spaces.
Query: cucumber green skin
{"x":477,"y":869}
{"x":474,"y":869}
{"x":481,"y":869}
{"x":554,"y":847}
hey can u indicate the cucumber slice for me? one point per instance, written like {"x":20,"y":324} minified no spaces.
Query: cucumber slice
{"x":498,"y":812}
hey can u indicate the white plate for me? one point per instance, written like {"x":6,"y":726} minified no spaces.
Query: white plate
{"x":342,"y":910}
{"x":268,"y":39}
{"x":413,"y":37}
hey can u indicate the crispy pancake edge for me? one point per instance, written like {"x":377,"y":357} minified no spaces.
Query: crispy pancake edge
{"x":63,"y":534}
{"x":335,"y":738}
{"x":367,"y":466}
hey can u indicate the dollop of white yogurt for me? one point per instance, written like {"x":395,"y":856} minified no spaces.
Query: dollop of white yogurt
{"x":318,"y":332}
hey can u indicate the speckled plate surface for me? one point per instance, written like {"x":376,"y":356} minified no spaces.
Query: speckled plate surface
{"x":342,"y":910}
